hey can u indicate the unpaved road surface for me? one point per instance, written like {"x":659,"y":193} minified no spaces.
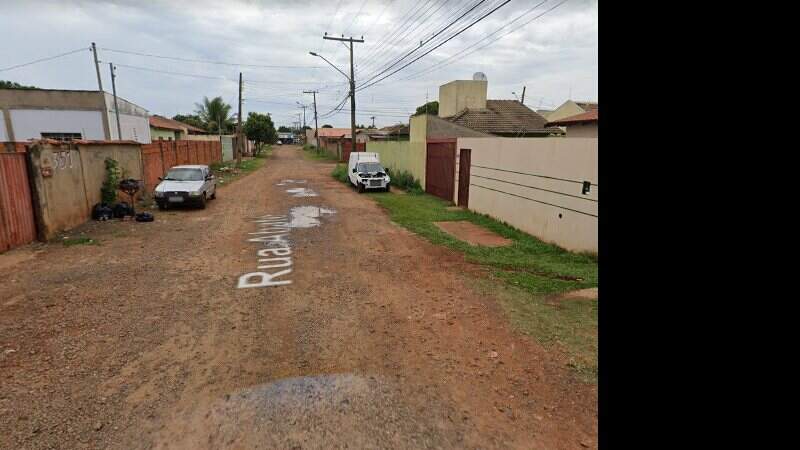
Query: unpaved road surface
{"x":145,"y":341}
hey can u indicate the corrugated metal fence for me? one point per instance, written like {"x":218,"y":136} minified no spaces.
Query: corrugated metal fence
{"x":17,"y":226}
{"x":160,"y":156}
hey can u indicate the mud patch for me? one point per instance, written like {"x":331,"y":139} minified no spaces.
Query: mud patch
{"x":308,"y":216}
{"x":581,"y":294}
{"x":326,"y":411}
{"x":472,"y":234}
{"x":302,"y":192}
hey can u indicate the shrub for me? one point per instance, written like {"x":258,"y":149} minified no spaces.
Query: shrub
{"x":406,"y":181}
{"x":108,"y":191}
{"x":340,"y":173}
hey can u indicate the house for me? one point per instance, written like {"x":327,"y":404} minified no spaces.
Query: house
{"x":399,"y":132}
{"x":464,"y":103}
{"x":69,"y":115}
{"x":544,"y":112}
{"x":164,"y":128}
{"x":571,"y":108}
{"x":579,"y":125}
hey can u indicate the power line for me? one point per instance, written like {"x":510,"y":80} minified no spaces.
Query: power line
{"x":425,"y":42}
{"x":370,"y":52}
{"x":362,"y":87}
{"x":192,"y":75}
{"x":222,"y":63}
{"x":49,"y":58}
{"x":455,"y":57}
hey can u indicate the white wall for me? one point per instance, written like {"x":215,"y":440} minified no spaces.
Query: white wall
{"x":3,"y":132}
{"x":535,"y":185}
{"x":30,"y":123}
{"x":134,"y":128}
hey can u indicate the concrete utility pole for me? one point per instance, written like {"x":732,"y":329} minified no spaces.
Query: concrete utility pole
{"x":373,"y":121}
{"x":316,"y":125}
{"x":116,"y":107}
{"x":304,"y":113}
{"x":239,"y":140}
{"x":97,"y":68}
{"x":523,"y":95}
{"x":352,"y":86}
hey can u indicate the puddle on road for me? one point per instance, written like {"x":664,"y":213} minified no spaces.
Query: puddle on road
{"x":308,"y":216}
{"x":285,"y":182}
{"x":301,"y":192}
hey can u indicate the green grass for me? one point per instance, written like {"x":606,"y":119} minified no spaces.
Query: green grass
{"x":248,"y":165}
{"x":340,"y":173}
{"x":82,"y":240}
{"x":525,"y":276}
{"x":310,"y":152}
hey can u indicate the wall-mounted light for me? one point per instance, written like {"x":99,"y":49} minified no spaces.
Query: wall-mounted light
{"x":587,"y":186}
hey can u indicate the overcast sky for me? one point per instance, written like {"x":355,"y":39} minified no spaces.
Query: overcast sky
{"x":554,"y":55}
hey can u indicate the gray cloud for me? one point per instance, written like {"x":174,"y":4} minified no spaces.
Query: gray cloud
{"x":551,"y":56}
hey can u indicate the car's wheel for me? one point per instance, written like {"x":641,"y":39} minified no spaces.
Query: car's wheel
{"x":203,"y":201}
{"x":387,"y":188}
{"x":360,"y":187}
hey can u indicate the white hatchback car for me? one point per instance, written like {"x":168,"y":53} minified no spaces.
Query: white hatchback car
{"x":184,"y":185}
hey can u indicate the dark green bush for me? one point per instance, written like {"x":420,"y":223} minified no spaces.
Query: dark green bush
{"x":340,"y":173}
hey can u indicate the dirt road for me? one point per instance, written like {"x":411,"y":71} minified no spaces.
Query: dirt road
{"x":145,"y":341}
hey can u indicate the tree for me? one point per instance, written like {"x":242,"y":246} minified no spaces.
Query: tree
{"x":190,"y":119}
{"x":216,"y":114}
{"x":14,"y":85}
{"x":284,"y":129}
{"x":428,"y":108}
{"x":260,"y":129}
{"x":327,"y":126}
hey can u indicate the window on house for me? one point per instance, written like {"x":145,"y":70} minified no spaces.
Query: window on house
{"x":64,"y":137}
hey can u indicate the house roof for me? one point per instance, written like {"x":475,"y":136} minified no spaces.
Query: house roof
{"x":587,"y":106}
{"x":503,"y":117}
{"x":589,"y":116}
{"x":392,"y":130}
{"x":336,"y":132}
{"x":157,"y":121}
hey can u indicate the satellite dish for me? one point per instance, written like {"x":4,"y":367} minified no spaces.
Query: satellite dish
{"x":479,"y":76}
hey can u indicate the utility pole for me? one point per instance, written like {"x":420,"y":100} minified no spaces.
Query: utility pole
{"x":316,"y":125}
{"x":352,"y":87}
{"x":116,"y":107}
{"x":97,"y":68}
{"x":523,"y":95}
{"x":239,"y":140}
{"x":373,"y":121}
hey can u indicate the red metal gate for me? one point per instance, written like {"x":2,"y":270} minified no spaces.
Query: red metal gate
{"x":17,"y":226}
{"x":440,"y":167}
{"x":346,"y":149}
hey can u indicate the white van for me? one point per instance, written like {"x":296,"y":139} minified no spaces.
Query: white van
{"x":366,"y":172}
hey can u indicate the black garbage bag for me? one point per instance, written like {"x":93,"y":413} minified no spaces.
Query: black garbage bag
{"x":144,"y":217}
{"x":122,"y":209}
{"x":101,"y":211}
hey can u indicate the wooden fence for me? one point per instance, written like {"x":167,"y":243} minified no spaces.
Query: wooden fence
{"x":160,"y":156}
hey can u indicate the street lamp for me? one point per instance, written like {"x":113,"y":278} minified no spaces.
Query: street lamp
{"x":352,"y":95}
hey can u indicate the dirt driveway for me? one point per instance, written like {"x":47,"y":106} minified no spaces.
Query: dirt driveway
{"x":145,"y":341}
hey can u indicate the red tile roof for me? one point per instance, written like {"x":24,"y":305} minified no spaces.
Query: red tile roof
{"x":503,"y":117}
{"x":589,"y":116}
{"x":169,"y":124}
{"x":336,"y":132}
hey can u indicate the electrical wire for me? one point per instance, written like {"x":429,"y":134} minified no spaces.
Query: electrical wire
{"x":48,"y":58}
{"x":455,"y":57}
{"x":362,"y":87}
{"x":222,"y":63}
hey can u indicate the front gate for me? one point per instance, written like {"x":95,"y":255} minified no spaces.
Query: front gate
{"x":440,"y":166}
{"x":17,"y":226}
{"x":464,"y":160}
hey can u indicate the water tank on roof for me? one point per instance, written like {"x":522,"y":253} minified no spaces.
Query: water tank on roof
{"x":479,"y":76}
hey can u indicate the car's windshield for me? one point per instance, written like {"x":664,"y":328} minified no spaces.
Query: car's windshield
{"x":184,"y":175}
{"x":369,"y":167}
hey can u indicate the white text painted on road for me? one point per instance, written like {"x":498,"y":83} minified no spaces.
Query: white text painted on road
{"x":272,"y":233}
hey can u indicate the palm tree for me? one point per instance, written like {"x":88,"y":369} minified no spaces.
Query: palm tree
{"x":214,"y":112}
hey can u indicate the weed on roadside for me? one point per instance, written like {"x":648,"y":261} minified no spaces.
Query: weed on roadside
{"x":340,"y":173}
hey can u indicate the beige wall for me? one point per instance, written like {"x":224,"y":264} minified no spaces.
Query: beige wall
{"x":457,"y":95}
{"x":583,"y":130}
{"x":67,"y":196}
{"x":401,"y":155}
{"x":551,"y":172}
{"x":418,"y":128}
{"x":161,"y":133}
{"x":202,"y":137}
{"x":568,"y":109}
